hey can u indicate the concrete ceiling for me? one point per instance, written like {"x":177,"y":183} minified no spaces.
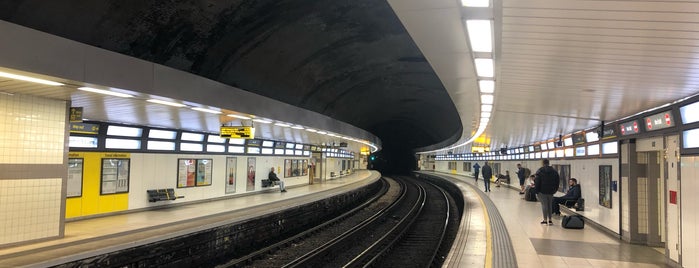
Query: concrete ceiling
{"x":403,"y":69}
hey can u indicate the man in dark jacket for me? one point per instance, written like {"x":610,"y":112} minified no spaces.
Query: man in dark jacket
{"x":273,"y":178}
{"x":521,"y":175}
{"x":476,"y":169}
{"x":574,"y":193}
{"x":546,"y":184}
{"x":487,"y":174}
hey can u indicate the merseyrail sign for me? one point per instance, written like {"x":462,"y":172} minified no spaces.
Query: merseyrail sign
{"x":237,"y":132}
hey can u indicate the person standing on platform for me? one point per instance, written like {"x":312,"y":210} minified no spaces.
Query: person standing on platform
{"x":487,"y":174}
{"x":521,"y":175}
{"x":273,"y":178}
{"x":545,"y":185}
{"x":476,"y":169}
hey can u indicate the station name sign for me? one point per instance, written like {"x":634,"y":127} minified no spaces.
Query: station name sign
{"x":237,"y":132}
{"x":659,"y":121}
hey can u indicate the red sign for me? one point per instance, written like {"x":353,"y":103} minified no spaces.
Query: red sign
{"x":668,"y":121}
{"x":673,"y":197}
{"x":649,"y":124}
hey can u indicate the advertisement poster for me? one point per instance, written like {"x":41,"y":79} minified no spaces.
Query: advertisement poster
{"x":230,"y":174}
{"x":605,"y":189}
{"x":186,"y":172}
{"x":75,"y":177}
{"x":251,"y":174}
{"x":204,"y":172}
{"x":287,"y":168}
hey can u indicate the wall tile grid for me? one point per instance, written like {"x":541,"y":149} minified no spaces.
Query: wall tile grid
{"x":32,"y":130}
{"x":29,"y":209}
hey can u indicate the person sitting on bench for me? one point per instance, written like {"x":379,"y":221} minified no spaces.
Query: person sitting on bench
{"x":573,"y":194}
{"x":272,"y":177}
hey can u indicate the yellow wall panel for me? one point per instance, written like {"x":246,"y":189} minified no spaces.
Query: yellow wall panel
{"x":91,"y":202}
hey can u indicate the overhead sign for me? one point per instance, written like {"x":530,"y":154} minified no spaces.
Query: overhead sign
{"x":84,"y":128}
{"x":76,"y":114}
{"x":237,"y":132}
{"x":659,"y":121}
{"x":629,"y":128}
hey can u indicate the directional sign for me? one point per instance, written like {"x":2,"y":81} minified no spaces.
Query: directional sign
{"x":237,"y":132}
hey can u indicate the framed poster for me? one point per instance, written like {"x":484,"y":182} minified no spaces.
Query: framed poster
{"x":295,"y":168}
{"x":186,"y":172}
{"x":230,"y":174}
{"x":204,"y":172}
{"x":287,"y":168}
{"x":75,"y":177}
{"x":304,"y":167}
{"x":250,"y":174}
{"x":115,"y":176}
{"x":605,"y":189}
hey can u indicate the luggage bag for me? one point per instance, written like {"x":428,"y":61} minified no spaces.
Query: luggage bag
{"x":529,"y":195}
{"x":573,"y":222}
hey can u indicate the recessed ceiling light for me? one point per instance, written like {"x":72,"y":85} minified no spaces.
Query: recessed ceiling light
{"x":486,"y":86}
{"x":480,"y":35}
{"x":486,"y":99}
{"x":484,"y":67}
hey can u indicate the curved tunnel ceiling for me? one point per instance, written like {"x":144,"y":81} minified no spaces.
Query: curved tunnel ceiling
{"x":350,"y":60}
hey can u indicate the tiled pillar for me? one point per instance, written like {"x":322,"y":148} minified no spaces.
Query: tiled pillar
{"x":33,"y":155}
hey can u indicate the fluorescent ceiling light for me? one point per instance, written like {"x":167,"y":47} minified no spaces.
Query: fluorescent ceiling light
{"x":311,"y":130}
{"x":487,"y":86}
{"x":480,"y":35}
{"x":282,"y":125}
{"x":239,"y":116}
{"x":297,"y":127}
{"x":105,"y":92}
{"x":322,"y":132}
{"x":486,"y":108}
{"x":486,"y":99}
{"x":261,"y":121}
{"x":484,"y":67}
{"x":206,"y":110}
{"x":475,"y":3}
{"x":485,"y":114}
{"x":29,"y":79}
{"x":166,"y":103}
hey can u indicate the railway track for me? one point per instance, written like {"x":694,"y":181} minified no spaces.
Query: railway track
{"x":404,"y":227}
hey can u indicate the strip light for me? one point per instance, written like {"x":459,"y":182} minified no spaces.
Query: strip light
{"x":484,"y":67}
{"x":105,"y":92}
{"x":29,"y":79}
{"x":206,"y":110}
{"x":166,"y":103}
{"x":239,"y":116}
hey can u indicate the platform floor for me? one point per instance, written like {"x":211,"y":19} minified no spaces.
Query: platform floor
{"x":538,"y":245}
{"x":535,"y":245}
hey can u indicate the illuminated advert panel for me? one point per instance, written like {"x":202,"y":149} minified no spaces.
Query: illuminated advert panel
{"x":629,"y":128}
{"x":659,"y":121}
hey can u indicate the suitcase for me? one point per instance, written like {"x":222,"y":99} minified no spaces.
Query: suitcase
{"x":529,"y":195}
{"x":573,"y":222}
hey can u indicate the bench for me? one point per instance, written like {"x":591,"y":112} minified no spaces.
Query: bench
{"x":268,"y":183}
{"x":156,"y":195}
{"x":578,"y":205}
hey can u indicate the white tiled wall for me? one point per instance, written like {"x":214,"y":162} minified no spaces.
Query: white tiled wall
{"x":29,"y":209}
{"x":32,"y":130}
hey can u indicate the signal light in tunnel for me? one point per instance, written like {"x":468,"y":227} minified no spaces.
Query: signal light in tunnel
{"x":372,"y":157}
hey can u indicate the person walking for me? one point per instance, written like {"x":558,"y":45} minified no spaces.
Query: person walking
{"x":545,"y":185}
{"x":487,"y":174}
{"x":476,"y":169}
